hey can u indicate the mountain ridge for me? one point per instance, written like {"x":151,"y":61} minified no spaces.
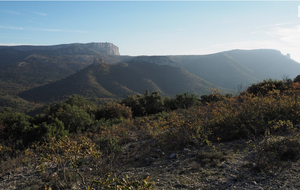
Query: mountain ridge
{"x":119,"y":80}
{"x":106,"y":47}
{"x":23,"y":69}
{"x":12,"y":54}
{"x":233,"y":68}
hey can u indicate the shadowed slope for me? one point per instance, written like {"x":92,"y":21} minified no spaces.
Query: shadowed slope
{"x":103,"y":80}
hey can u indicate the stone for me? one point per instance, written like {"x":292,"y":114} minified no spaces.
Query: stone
{"x":173,"y":155}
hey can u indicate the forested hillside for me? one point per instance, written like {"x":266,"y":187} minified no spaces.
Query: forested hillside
{"x":102,"y":80}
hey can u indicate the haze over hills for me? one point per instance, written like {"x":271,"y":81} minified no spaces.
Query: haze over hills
{"x":104,"y":80}
{"x":266,"y":63}
{"x":232,"y":68}
{"x":97,"y":70}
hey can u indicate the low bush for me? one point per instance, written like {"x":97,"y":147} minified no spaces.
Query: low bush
{"x":210,"y":158}
{"x":273,"y":150}
{"x":113,"y":111}
{"x":122,"y":183}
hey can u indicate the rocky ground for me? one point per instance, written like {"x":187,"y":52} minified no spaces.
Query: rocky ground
{"x":230,"y":165}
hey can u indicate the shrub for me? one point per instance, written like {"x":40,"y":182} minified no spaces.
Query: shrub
{"x":110,"y":145}
{"x":210,"y":158}
{"x":65,"y":156}
{"x":180,"y":129}
{"x":15,"y":129}
{"x":113,"y":111}
{"x":152,"y":104}
{"x":273,"y":150}
{"x":262,"y":88}
{"x":297,"y":78}
{"x":134,"y":103}
{"x":123,"y":183}
{"x":146,"y":104}
{"x":182,"y":101}
{"x":249,"y":116}
{"x":53,"y":128}
{"x":80,"y":102}
{"x":74,"y":119}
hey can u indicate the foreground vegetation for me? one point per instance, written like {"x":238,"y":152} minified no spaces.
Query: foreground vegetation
{"x":75,"y":144}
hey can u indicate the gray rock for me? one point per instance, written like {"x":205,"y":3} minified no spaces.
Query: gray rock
{"x":173,"y":155}
{"x":224,"y":165}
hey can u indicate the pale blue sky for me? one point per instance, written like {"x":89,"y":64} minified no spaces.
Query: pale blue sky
{"x":155,"y":28}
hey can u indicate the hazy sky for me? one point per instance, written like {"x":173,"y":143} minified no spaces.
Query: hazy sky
{"x":154,"y":27}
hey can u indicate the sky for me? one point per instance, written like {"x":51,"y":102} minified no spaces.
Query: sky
{"x":155,"y":27}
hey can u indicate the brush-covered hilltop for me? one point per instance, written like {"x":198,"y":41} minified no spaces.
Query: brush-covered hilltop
{"x":98,"y":71}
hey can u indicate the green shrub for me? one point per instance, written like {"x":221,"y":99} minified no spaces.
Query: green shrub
{"x":110,"y":145}
{"x":146,"y":104}
{"x":273,"y":150}
{"x":180,"y":101}
{"x":74,"y":119}
{"x":113,"y":111}
{"x":262,"y":88}
{"x":15,"y":129}
{"x":180,"y":129}
{"x":252,"y":117}
{"x":53,"y":128}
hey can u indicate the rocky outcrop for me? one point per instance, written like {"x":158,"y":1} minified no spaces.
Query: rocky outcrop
{"x":107,"y":48}
{"x":75,"y":48}
{"x":158,"y":60}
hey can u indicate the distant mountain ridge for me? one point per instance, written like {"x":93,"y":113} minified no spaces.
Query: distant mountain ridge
{"x":107,"y":48}
{"x":11,"y":54}
{"x":230,"y":69}
{"x":97,"y":70}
